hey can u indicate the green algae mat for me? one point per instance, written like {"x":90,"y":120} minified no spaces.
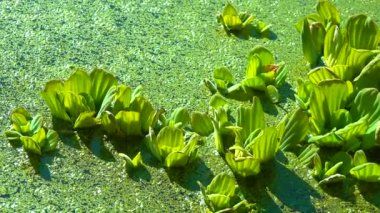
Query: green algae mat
{"x":169,"y":48}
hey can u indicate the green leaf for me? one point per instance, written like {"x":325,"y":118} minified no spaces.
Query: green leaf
{"x":217,"y":101}
{"x":129,"y":122}
{"x":333,"y":44}
{"x":36,"y":123}
{"x":251,"y":118}
{"x":201,"y":123}
{"x":13,"y":137}
{"x":78,"y":82}
{"x":51,"y":99}
{"x":223,"y":78}
{"x":101,"y":82}
{"x":369,"y":172}
{"x":265,"y":145}
{"x":362,"y":32}
{"x":40,"y":137}
{"x":281,"y":74}
{"x":86,"y":120}
{"x":335,"y":178}
{"x":222,"y":184}
{"x":273,"y":94}
{"x":321,"y":74}
{"x":354,"y":129}
{"x":147,"y":113}
{"x":231,"y":17}
{"x":359,"y":158}
{"x":328,"y":12}
{"x":30,"y":145}
{"x":368,"y":77}
{"x":218,"y":202}
{"x":153,"y":145}
{"x":296,"y":129}
{"x":130,"y":164}
{"x":122,"y":98}
{"x":308,"y":154}
{"x":176,"y":159}
{"x":74,"y":104}
{"x":180,"y":115}
{"x":367,"y":103}
{"x":170,"y":139}
{"x":109,"y":124}
{"x":243,"y":166}
{"x":317,"y":170}
{"x":255,"y":83}
{"x":52,"y":138}
{"x":107,"y":102}
{"x":329,"y":139}
{"x":313,"y":35}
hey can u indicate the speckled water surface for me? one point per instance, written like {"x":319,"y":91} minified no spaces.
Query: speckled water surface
{"x":169,"y":47}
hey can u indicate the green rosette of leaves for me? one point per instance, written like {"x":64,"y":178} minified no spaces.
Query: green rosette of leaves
{"x":81,"y":99}
{"x":128,"y":113}
{"x":263,"y":77}
{"x":232,"y":20}
{"x":30,"y":133}
{"x":221,"y":195}
{"x":172,"y":148}
{"x":335,"y":121}
{"x":253,"y":141}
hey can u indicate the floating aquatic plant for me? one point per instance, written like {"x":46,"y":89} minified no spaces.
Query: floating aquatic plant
{"x":232,"y":20}
{"x":263,"y":77}
{"x":221,"y":195}
{"x":30,"y":133}
{"x":363,"y":170}
{"x":250,"y":142}
{"x":172,"y":147}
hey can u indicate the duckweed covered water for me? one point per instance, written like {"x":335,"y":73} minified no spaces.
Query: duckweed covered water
{"x":169,"y":47}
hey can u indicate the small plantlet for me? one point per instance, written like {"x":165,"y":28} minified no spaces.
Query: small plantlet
{"x":232,"y":20}
{"x":363,"y":170}
{"x":30,"y":133}
{"x":132,"y":164}
{"x":221,"y":195}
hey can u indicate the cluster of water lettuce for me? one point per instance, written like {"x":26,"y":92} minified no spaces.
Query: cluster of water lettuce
{"x":341,"y":95}
{"x":339,"y":106}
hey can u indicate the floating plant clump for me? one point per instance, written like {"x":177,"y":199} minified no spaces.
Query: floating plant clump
{"x":31,"y":133}
{"x":262,"y":78}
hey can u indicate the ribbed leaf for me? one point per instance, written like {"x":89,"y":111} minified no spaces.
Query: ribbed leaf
{"x":244,"y":166}
{"x":109,"y":124}
{"x":51,"y":99}
{"x":359,"y":158}
{"x":273,"y":94}
{"x":223,"y":78}
{"x":369,"y":172}
{"x":36,"y":123}
{"x":218,"y":202}
{"x":222,"y":184}
{"x":101,"y":82}
{"x":52,"y":139}
{"x":176,"y":159}
{"x":352,"y":130}
{"x":296,"y":129}
{"x":308,"y":154}
{"x":30,"y":145}
{"x":313,"y":35}
{"x":255,"y":83}
{"x":251,"y":118}
{"x":369,"y":76}
{"x":74,"y":104}
{"x":329,"y":139}
{"x":265,"y":56}
{"x":78,"y":82}
{"x":153,"y":146}
{"x":122,"y":98}
{"x":367,"y":102}
{"x":170,"y":139}
{"x":201,"y":123}
{"x":147,"y":113}
{"x":254,"y":64}
{"x":129,"y":122}
{"x":180,"y":115}
{"x":343,"y":72}
{"x":217,"y":101}
{"x":265,"y":145}
{"x":321,"y":74}
{"x":362,"y":32}
{"x":86,"y":120}
{"x":328,"y":12}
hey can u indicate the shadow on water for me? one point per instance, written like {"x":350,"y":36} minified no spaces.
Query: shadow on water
{"x":252,"y":31}
{"x":95,"y":143}
{"x":343,"y":190}
{"x":276,"y":182}
{"x":41,"y":164}
{"x":189,"y":176}
{"x":370,"y":192}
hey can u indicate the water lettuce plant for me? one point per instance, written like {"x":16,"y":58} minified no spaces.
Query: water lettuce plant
{"x":221,"y":195}
{"x":128,"y":113}
{"x":250,"y":141}
{"x":334,"y":170}
{"x":81,"y":99}
{"x":263,"y":77}
{"x":232,"y":20}
{"x":132,"y":164}
{"x":30,"y":133}
{"x":344,"y":51}
{"x":172,"y":147}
